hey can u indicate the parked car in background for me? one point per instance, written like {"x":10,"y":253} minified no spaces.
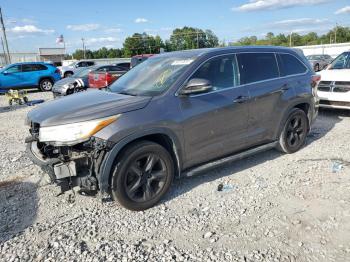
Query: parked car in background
{"x":138,"y":59}
{"x":319,"y":62}
{"x":69,"y":69}
{"x":334,"y":89}
{"x":176,"y":113}
{"x":104,"y":77}
{"x":29,"y":75}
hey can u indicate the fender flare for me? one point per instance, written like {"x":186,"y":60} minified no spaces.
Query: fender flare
{"x":289,"y":109}
{"x":108,"y":161}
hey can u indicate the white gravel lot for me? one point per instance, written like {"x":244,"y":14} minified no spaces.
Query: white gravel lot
{"x":280,"y":207}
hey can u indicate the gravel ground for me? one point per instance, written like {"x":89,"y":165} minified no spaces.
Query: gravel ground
{"x":274,"y":208}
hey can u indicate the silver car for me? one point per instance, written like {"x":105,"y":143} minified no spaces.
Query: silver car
{"x":319,"y":62}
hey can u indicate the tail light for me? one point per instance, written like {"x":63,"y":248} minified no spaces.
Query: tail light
{"x":57,"y":71}
{"x":315,"y":80}
{"x":109,"y":79}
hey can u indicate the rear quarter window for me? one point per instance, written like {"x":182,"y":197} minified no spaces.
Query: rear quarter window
{"x":256,"y":67}
{"x":290,"y":65}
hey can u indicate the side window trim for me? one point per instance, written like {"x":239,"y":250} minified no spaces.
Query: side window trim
{"x":242,"y":85}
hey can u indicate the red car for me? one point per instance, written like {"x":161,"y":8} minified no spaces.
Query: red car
{"x":138,"y":59}
{"x":103,"y":78}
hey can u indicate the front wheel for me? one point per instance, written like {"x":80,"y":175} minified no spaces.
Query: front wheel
{"x":294,"y":132}
{"x":46,"y":85}
{"x":142,"y":175}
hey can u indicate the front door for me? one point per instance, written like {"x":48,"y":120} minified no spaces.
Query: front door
{"x":215,"y":123}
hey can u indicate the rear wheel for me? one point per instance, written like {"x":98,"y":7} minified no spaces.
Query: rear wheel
{"x":142,"y":176}
{"x":294,"y":132}
{"x":46,"y":85}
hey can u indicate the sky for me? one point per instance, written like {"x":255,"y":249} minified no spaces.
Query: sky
{"x":31,"y":24}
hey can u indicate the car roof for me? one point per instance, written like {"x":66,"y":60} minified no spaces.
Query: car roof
{"x":218,"y":50}
{"x":30,"y":63}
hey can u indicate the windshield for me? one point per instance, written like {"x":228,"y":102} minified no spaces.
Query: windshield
{"x":341,"y":62}
{"x":153,"y":76}
{"x":82,"y":72}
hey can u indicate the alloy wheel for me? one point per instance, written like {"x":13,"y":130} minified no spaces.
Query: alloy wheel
{"x":296,"y":131}
{"x":146,"y":177}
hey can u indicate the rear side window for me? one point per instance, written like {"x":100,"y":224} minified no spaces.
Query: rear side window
{"x":256,"y":67}
{"x":39,"y":67}
{"x":290,"y":65}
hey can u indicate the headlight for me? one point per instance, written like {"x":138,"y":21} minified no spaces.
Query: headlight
{"x":74,"y":133}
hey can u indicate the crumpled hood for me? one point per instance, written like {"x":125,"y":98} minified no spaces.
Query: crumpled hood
{"x":85,"y":106}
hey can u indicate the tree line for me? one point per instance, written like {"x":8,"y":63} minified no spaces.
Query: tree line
{"x":191,"y":38}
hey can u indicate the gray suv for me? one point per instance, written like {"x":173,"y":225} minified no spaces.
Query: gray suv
{"x":175,"y":114}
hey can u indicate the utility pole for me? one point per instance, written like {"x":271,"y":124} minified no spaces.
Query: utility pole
{"x":197,"y":39}
{"x":3,"y":49}
{"x":5,"y":38}
{"x":83,"y":40}
{"x":290,"y":39}
{"x":335,"y":36}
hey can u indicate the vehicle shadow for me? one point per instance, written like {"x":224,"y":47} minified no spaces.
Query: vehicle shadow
{"x":18,"y":207}
{"x":325,"y":122}
{"x":5,"y":109}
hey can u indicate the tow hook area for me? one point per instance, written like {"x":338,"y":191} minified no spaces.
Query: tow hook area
{"x":70,"y":166}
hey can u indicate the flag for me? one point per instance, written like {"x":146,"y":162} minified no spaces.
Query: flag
{"x":60,"y":39}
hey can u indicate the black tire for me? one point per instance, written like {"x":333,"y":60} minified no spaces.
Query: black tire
{"x":317,"y":68}
{"x":46,"y":85}
{"x":25,"y":99}
{"x":142,"y":175}
{"x":10,"y":102}
{"x":68,"y":74}
{"x":294,"y":132}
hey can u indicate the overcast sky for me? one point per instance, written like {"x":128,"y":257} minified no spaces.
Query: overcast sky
{"x":35,"y":23}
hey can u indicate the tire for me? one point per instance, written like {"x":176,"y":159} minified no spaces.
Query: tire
{"x":10,"y":102}
{"x":142,"y":175}
{"x":294,"y":132}
{"x":317,"y":68}
{"x":68,"y":74}
{"x":46,"y":85}
{"x":25,"y":99}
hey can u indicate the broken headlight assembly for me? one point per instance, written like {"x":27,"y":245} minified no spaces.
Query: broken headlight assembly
{"x":70,"y":134}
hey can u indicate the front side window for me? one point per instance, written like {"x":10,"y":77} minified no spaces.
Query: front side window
{"x":290,"y":65}
{"x":341,"y":62}
{"x":256,"y":67}
{"x":154,"y":76}
{"x":14,"y":69}
{"x":220,"y":71}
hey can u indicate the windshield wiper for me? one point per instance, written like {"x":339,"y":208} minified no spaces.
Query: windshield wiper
{"x":126,"y":93}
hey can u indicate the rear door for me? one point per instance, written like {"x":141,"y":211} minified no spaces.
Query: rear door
{"x":215,"y":122}
{"x":32,"y":73}
{"x":259,"y":73}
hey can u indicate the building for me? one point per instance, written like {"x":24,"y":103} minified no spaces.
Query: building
{"x":54,"y":55}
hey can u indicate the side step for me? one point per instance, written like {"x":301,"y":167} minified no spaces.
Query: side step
{"x":238,"y":156}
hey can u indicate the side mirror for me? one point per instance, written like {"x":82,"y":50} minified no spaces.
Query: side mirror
{"x":196,"y":86}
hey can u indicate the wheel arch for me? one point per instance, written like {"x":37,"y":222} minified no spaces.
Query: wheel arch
{"x":301,"y":104}
{"x":164,"y":137}
{"x":46,"y":77}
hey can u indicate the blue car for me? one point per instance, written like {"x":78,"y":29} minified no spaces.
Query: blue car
{"x":28,"y":75}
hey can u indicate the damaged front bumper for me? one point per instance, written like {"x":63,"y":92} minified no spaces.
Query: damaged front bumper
{"x":70,"y":166}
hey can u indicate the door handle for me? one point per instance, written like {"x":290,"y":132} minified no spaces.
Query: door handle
{"x":241,"y":99}
{"x":285,"y":87}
